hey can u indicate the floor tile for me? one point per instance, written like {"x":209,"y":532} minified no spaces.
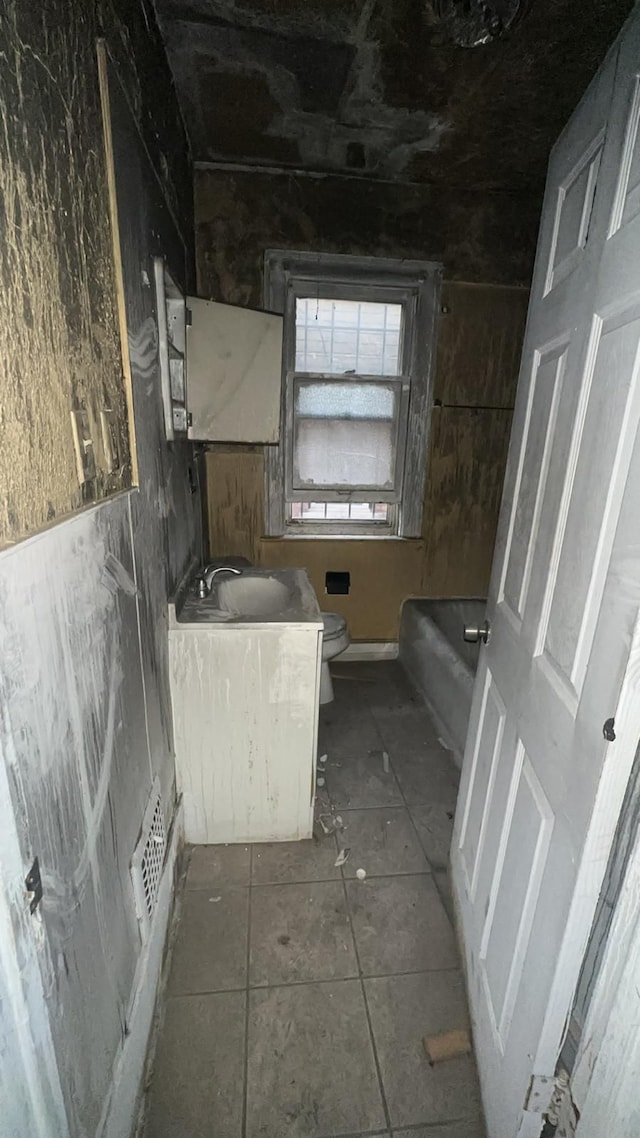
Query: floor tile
{"x":300,"y":932}
{"x":311,"y":1069}
{"x":340,"y":733}
{"x":224,"y":865}
{"x":467,"y":1128}
{"x":435,"y":830}
{"x":390,"y":689}
{"x":406,"y":729}
{"x":358,"y":780}
{"x":427,"y":777}
{"x":382,"y":842}
{"x":198,"y":1072}
{"x":400,"y":925}
{"x":295,"y":861}
{"x":403,"y":1010}
{"x":210,"y":953}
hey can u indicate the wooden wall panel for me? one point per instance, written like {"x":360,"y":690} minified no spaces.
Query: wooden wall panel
{"x":464,"y":489}
{"x":479,"y":344}
{"x":235,"y":500}
{"x":383,"y":574}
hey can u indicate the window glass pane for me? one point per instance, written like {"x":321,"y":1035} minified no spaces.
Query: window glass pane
{"x":342,"y":452}
{"x":334,"y":336}
{"x":345,"y":400}
{"x":339,"y":511}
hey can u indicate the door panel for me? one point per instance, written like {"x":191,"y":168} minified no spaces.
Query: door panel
{"x":600,"y":478}
{"x":574,"y":206}
{"x":483,"y":774}
{"x":546,"y":386}
{"x":627,"y":198}
{"x":524,"y":846}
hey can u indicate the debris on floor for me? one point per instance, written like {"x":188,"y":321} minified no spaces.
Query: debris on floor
{"x":361,"y":874}
{"x":342,"y":858}
{"x":330,"y":823}
{"x":383,"y":757}
{"x":447,"y":1045}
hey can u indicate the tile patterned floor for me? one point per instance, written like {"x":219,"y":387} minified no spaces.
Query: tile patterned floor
{"x":299,"y":996}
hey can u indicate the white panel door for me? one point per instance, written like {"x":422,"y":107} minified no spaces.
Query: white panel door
{"x":541,"y":787}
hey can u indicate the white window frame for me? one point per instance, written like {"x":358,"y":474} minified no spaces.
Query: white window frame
{"x":416,"y":285}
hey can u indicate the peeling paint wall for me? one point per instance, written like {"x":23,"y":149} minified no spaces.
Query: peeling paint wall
{"x":84,"y":703}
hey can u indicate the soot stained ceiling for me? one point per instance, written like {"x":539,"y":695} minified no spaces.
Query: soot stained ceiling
{"x":378,"y":88}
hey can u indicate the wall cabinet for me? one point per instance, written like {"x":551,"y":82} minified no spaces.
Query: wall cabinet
{"x":221,"y":367}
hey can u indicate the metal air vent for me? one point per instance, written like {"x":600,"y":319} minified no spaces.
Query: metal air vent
{"x":148,"y":860}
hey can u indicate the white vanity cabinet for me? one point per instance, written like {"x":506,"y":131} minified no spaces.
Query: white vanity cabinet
{"x":245,"y":695}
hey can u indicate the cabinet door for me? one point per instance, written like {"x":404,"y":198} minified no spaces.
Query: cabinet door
{"x":234,"y":373}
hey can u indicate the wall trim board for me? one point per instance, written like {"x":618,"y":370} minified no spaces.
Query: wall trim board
{"x":118,"y":274}
{"x":369,"y":650}
{"x":65,"y":519}
{"x":121,"y":1107}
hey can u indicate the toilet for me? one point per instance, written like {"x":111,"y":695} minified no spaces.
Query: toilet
{"x":335,"y":639}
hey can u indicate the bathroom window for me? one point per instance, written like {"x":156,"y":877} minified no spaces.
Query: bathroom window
{"x":358,"y":348}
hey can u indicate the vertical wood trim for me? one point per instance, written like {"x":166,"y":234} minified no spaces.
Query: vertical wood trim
{"x":275,"y":296}
{"x":103,"y":79}
{"x":419,"y":421}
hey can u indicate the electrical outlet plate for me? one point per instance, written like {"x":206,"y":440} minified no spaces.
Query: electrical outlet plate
{"x":83,"y":444}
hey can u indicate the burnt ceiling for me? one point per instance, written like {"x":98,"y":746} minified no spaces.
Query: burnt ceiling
{"x":383,"y":88}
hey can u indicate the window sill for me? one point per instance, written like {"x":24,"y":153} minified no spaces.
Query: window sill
{"x":386,"y":537}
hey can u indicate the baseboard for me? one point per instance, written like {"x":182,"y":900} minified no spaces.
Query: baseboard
{"x":370,"y":650}
{"x":121,"y":1107}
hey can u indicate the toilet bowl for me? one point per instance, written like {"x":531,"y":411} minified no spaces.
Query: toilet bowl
{"x":335,"y":638}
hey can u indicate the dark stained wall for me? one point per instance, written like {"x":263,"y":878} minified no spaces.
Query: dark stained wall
{"x":478,"y":236}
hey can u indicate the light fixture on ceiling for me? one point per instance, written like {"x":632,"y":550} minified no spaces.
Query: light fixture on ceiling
{"x":470,"y":23}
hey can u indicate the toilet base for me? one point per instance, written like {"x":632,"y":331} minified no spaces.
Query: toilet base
{"x":326,"y":683}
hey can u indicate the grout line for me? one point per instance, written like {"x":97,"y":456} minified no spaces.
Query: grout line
{"x":310,"y":980}
{"x":245,"y":1098}
{"x":336,"y":880}
{"x":374,"y":1049}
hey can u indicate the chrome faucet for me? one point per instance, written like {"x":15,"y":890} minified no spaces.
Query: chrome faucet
{"x":204,"y":580}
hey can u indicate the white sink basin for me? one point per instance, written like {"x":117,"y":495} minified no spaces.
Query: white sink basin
{"x":255,"y":597}
{"x":249,"y":596}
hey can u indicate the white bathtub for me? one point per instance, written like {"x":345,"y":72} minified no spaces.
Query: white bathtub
{"x":440,"y":664}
